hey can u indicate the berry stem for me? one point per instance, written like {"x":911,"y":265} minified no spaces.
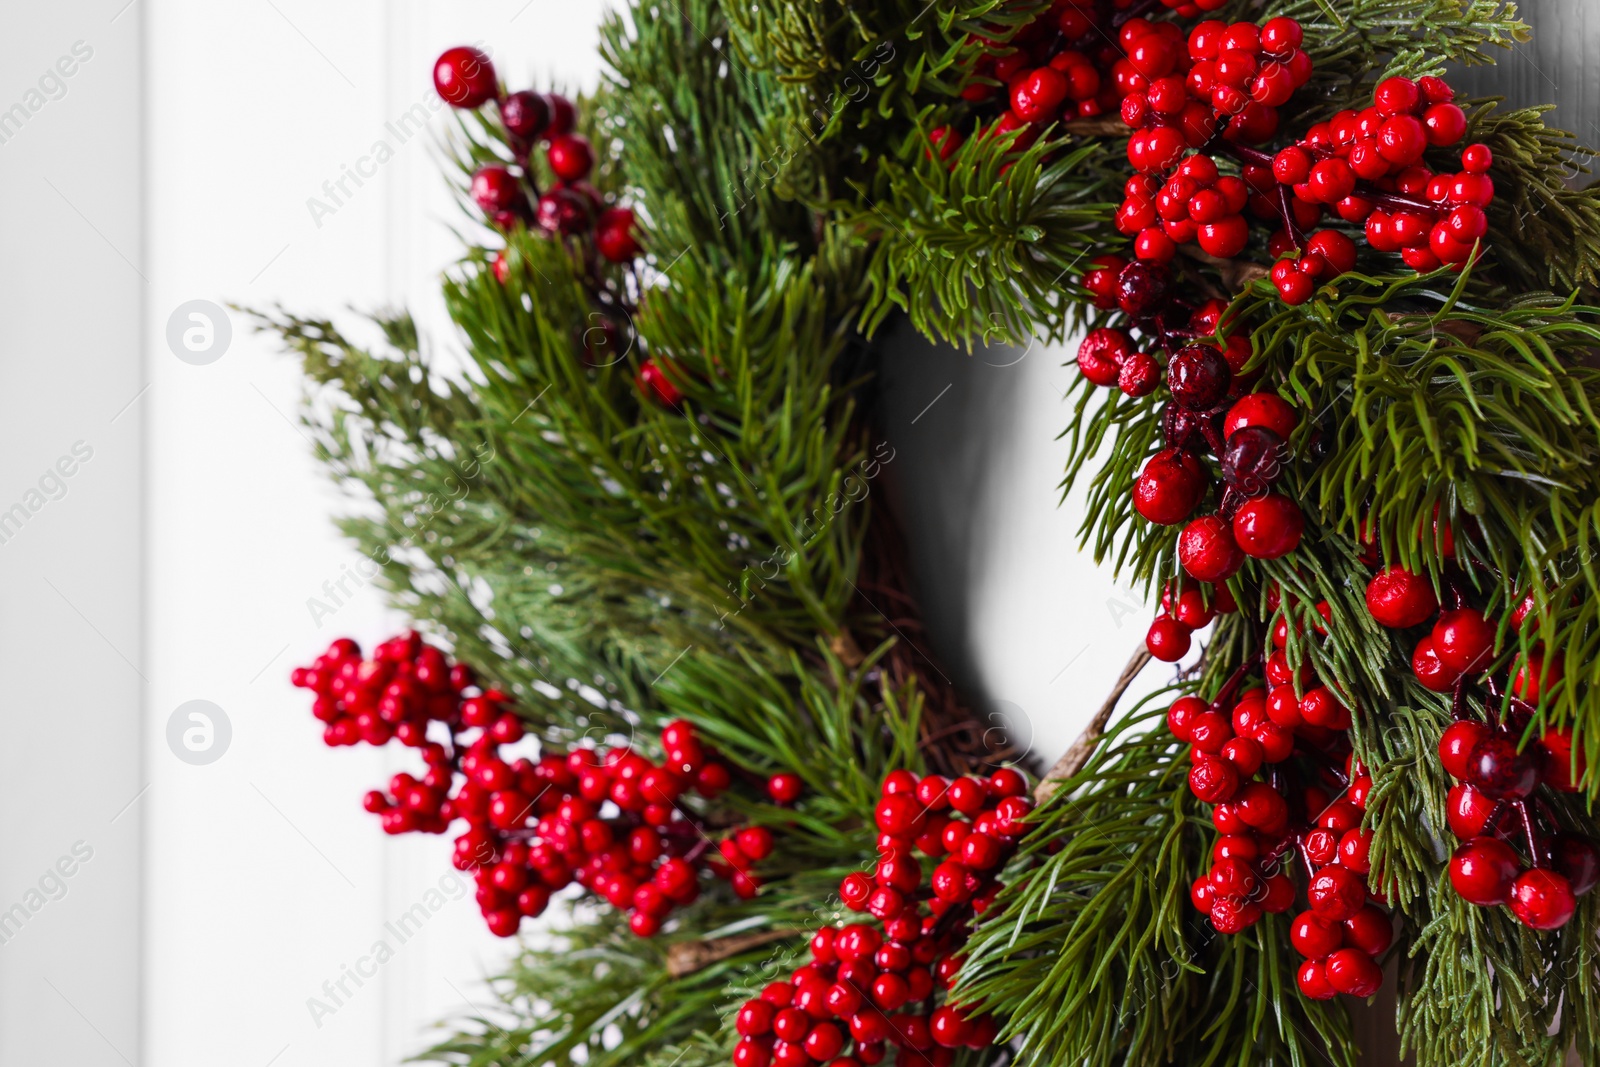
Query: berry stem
{"x":1527,"y":832}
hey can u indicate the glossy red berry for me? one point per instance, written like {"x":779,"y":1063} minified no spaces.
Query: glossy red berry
{"x":570,"y":156}
{"x":464,"y":77}
{"x":1463,"y":639}
{"x":1432,"y":673}
{"x":1315,"y":937}
{"x":1336,"y":894}
{"x":1543,"y":899}
{"x":1576,"y":858}
{"x":1208,"y":551}
{"x":1269,"y":526}
{"x":1353,"y":972}
{"x":1482,"y":871}
{"x":1467,"y":811}
{"x":1169,"y":487}
{"x":1267,"y":410}
{"x":1399,"y":599}
{"x":1168,"y":639}
{"x":614,"y":235}
{"x":1312,"y":979}
{"x":1456,"y":745}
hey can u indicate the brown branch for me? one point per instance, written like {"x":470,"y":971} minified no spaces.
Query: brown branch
{"x":1236,"y":273}
{"x":1077,"y":754}
{"x":1098,"y":126}
{"x":687,"y":957}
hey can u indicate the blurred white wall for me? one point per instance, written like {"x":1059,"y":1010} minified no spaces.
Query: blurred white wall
{"x":264,"y":878}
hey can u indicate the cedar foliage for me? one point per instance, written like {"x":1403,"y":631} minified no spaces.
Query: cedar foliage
{"x":617,"y":564}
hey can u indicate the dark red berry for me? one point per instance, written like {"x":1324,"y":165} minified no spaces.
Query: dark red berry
{"x":1142,"y":289}
{"x":1576,"y":857}
{"x":1253,"y":459}
{"x":1497,"y":770}
{"x":1312,"y":979}
{"x":525,"y":114}
{"x":1139,"y":375}
{"x":1198,"y":377}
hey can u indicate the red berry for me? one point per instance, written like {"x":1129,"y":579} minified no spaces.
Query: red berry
{"x":1576,"y":857}
{"x":1354,"y":849}
{"x":1463,"y":639}
{"x":1535,"y":676}
{"x":1497,"y":770}
{"x":1267,"y":410}
{"x":967,"y":796}
{"x":1169,"y":488}
{"x":748,"y":1053}
{"x":1542,"y":899}
{"x":1168,"y":639}
{"x":1399,"y":599}
{"x":1208,"y":551}
{"x":1198,"y":377}
{"x":1038,"y":96}
{"x":1321,"y":845}
{"x":570,"y":156}
{"x":1456,"y":745}
{"x":614,"y":235}
{"x":1482,"y":871}
{"x":1467,"y":811}
{"x":464,"y":77}
{"x":785,"y":788}
{"x":1446,"y":124}
{"x":1353,"y":972}
{"x":1320,"y":707}
{"x":1561,"y":765}
{"x":1315,"y":937}
{"x":1231,"y":915}
{"x":1476,"y":159}
{"x":525,"y":114}
{"x":1429,"y":670}
{"x":495,"y":189}
{"x":1213,"y":779}
{"x":1182,"y":713}
{"x":1336,"y":894}
{"x":1268,"y":527}
{"x":1139,"y":375}
{"x":1101,"y":354}
{"x":1370,"y":930}
{"x":1313,"y":981}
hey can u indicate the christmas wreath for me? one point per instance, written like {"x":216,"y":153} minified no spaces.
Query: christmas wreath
{"x":1337,"y":401}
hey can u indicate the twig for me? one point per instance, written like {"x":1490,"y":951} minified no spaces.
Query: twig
{"x":687,"y":957}
{"x":1077,"y":754}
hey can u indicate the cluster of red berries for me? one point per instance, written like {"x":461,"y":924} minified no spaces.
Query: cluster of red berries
{"x":1495,"y":796}
{"x":570,"y":208}
{"x":612,"y":821}
{"x":1246,"y":749}
{"x":1461,"y":641}
{"x":1236,"y":74}
{"x":1184,"y":609}
{"x":875,"y":985}
{"x":465,"y":78}
{"x":1494,"y":785}
{"x":1367,"y":167}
